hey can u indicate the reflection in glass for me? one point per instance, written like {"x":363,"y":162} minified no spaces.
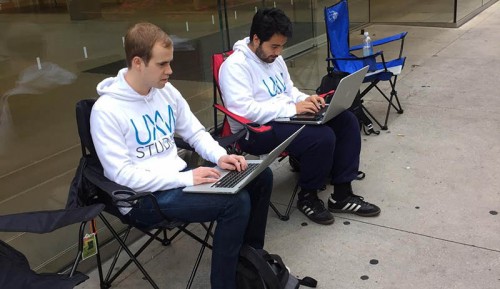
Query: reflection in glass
{"x":404,"y":11}
{"x":465,"y":7}
{"x":28,"y":81}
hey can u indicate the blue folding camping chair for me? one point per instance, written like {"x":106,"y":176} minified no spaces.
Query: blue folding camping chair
{"x":340,"y":58}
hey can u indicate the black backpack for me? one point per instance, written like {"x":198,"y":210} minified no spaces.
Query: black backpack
{"x":331,"y":81}
{"x":257,"y":269}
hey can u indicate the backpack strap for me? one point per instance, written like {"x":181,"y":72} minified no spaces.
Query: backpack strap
{"x":308,"y":282}
{"x":283,"y":273}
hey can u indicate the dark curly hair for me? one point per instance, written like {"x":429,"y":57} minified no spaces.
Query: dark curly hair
{"x":269,"y":21}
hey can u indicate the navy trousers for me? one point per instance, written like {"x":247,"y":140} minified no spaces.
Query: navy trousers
{"x":241,"y":218}
{"x":325,"y":152}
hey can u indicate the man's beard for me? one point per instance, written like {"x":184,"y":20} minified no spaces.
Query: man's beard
{"x":260,"y":54}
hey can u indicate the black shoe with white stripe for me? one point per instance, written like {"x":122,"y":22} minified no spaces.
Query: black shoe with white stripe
{"x":355,"y":205}
{"x":315,"y":210}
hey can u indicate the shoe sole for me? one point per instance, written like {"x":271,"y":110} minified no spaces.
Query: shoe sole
{"x":327,"y":222}
{"x":374,"y":214}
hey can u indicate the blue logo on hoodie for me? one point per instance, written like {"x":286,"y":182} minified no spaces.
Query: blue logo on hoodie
{"x":276,"y":85}
{"x":159,"y":133}
{"x":153,"y":125}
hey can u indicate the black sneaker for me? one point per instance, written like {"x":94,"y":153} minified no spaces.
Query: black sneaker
{"x":355,"y":205}
{"x":315,"y":210}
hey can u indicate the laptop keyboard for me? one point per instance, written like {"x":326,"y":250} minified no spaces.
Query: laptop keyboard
{"x":234,"y":177}
{"x":322,"y":111}
{"x":309,"y":116}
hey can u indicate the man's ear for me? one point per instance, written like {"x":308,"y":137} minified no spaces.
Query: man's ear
{"x":255,"y":40}
{"x":136,"y":62}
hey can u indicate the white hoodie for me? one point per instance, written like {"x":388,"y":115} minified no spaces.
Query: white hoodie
{"x":257,"y":90}
{"x":134,"y":135}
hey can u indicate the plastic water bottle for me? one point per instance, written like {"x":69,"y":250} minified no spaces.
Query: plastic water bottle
{"x":367,"y":45}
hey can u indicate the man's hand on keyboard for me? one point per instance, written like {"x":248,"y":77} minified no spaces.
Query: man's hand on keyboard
{"x":233,"y":162}
{"x":318,"y":101}
{"x":202,"y":175}
{"x":302,"y":107}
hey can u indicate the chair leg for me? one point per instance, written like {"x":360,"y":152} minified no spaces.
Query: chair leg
{"x":390,"y":100}
{"x":286,"y":215}
{"x":79,"y":256}
{"x":133,"y":258}
{"x":200,"y":254}
{"x":109,"y":279}
{"x":80,"y":248}
{"x":106,"y":282}
{"x":99,"y":268}
{"x":398,"y":108}
{"x":362,"y":94}
{"x":370,"y":126}
{"x":394,"y":96}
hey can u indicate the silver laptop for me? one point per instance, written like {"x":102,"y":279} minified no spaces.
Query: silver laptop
{"x":232,"y":182}
{"x":342,"y":99}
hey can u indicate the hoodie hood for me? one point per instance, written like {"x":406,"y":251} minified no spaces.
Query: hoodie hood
{"x":117,"y":87}
{"x":242,"y":45}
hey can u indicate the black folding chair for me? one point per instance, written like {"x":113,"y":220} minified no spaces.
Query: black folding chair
{"x":15,"y":271}
{"x":91,"y":186}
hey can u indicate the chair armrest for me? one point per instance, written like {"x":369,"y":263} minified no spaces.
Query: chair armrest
{"x":392,"y":38}
{"x":356,"y":58}
{"x":381,"y":41}
{"x":326,"y":94}
{"x":41,"y":222}
{"x":373,"y":56}
{"x":227,"y":141}
{"x":121,"y":196}
{"x":116,"y":192}
{"x":252,"y":126}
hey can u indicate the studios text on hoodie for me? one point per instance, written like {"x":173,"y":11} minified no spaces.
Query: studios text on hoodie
{"x":134,"y":135}
{"x":257,"y":90}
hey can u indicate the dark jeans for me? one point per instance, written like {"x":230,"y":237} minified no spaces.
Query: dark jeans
{"x":241,"y":218}
{"x":324,"y":151}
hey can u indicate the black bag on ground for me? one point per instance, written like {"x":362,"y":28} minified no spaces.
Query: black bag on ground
{"x":257,"y":269}
{"x":331,"y":81}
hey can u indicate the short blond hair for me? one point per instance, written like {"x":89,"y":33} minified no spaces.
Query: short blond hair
{"x":141,"y":38}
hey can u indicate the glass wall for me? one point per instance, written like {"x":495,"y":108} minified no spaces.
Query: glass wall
{"x":446,"y":13}
{"x":469,"y":8}
{"x":408,"y":11}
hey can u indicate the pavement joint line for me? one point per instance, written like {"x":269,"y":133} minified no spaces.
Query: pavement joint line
{"x":420,"y":234}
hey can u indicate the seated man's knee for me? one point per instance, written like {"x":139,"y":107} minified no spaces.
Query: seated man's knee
{"x":239,"y":204}
{"x":265,"y":180}
{"x":325,"y":137}
{"x":316,"y":139}
{"x":349,"y":120}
